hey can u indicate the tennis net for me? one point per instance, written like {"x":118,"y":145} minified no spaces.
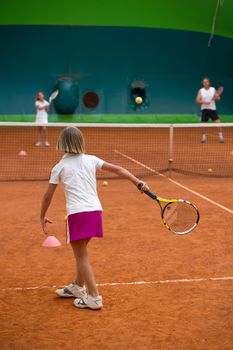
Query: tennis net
{"x":144,"y":149}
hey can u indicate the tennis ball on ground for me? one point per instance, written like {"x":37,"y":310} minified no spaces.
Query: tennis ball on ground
{"x":105,"y":183}
{"x":138,"y":100}
{"x":210,"y":170}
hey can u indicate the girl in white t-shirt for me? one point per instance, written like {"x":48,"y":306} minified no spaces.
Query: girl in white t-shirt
{"x":42,"y":108}
{"x":77,"y":172}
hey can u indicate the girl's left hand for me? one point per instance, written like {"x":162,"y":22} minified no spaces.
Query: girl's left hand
{"x":43,"y":223}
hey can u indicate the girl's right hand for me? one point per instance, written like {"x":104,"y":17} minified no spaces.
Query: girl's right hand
{"x":144,"y":187}
{"x":43,"y":222}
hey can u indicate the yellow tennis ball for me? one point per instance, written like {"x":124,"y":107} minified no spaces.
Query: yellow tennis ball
{"x":210,"y":170}
{"x":105,"y":183}
{"x":65,"y":218}
{"x":138,"y":100}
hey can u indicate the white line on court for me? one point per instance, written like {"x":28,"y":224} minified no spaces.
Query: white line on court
{"x":139,"y":163}
{"x":176,"y":182}
{"x":112,"y":284}
{"x":184,"y":280}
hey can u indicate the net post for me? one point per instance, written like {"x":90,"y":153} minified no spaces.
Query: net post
{"x":170,"y":150}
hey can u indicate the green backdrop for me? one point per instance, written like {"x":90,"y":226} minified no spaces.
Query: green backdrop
{"x":195,"y":15}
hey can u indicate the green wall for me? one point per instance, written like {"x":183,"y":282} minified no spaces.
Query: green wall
{"x":195,"y":15}
{"x":107,"y":60}
{"x":110,"y":43}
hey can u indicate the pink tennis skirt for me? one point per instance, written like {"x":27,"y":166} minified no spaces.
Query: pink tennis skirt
{"x":84,"y":225}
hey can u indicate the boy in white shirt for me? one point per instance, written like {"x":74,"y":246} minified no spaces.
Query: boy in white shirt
{"x":207,"y":98}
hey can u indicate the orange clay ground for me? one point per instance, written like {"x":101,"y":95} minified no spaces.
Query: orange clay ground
{"x":178,"y":315}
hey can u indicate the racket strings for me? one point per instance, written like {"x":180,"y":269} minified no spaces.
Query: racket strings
{"x":180,"y":217}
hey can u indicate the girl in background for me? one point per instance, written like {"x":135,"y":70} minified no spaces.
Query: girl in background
{"x":77,"y":172}
{"x":42,"y":108}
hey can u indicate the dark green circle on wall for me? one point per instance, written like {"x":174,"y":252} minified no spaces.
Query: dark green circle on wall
{"x":68,"y":98}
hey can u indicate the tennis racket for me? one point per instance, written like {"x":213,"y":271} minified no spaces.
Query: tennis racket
{"x":178,"y":215}
{"x":53,"y":96}
{"x":220,"y":91}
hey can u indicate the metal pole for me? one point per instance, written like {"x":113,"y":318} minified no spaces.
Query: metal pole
{"x":170,"y":150}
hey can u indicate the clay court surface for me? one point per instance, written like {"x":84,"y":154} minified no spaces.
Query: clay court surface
{"x":185,"y":299}
{"x":172,"y":315}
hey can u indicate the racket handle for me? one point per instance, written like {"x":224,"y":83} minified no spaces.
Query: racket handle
{"x":148,"y":193}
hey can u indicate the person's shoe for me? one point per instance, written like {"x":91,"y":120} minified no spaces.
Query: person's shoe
{"x":71,"y":291}
{"x":203,"y":139}
{"x":90,"y":302}
{"x":39,"y":143}
{"x":221,"y":138}
{"x":46,"y":144}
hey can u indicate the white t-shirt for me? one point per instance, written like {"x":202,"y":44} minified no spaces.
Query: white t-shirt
{"x":78,"y":174}
{"x":208,"y":95}
{"x":41,"y":115}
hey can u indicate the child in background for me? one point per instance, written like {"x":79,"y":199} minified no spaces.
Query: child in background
{"x":77,"y":172}
{"x":42,"y":107}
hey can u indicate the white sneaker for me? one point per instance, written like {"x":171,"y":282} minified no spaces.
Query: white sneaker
{"x":46,"y":144}
{"x":203,"y":139}
{"x":39,"y":143}
{"x":71,"y":291}
{"x":90,"y":302}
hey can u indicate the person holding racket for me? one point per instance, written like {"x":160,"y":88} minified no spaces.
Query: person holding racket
{"x":207,"y":97}
{"x":42,"y":108}
{"x":77,"y":172}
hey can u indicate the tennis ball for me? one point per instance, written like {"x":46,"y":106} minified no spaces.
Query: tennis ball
{"x":138,"y":100}
{"x":210,"y":170}
{"x":65,"y":218}
{"x":105,"y":183}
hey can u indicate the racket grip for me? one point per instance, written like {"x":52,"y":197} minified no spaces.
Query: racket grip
{"x":148,"y":193}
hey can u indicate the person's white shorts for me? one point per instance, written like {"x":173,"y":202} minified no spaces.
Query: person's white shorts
{"x":41,"y":120}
